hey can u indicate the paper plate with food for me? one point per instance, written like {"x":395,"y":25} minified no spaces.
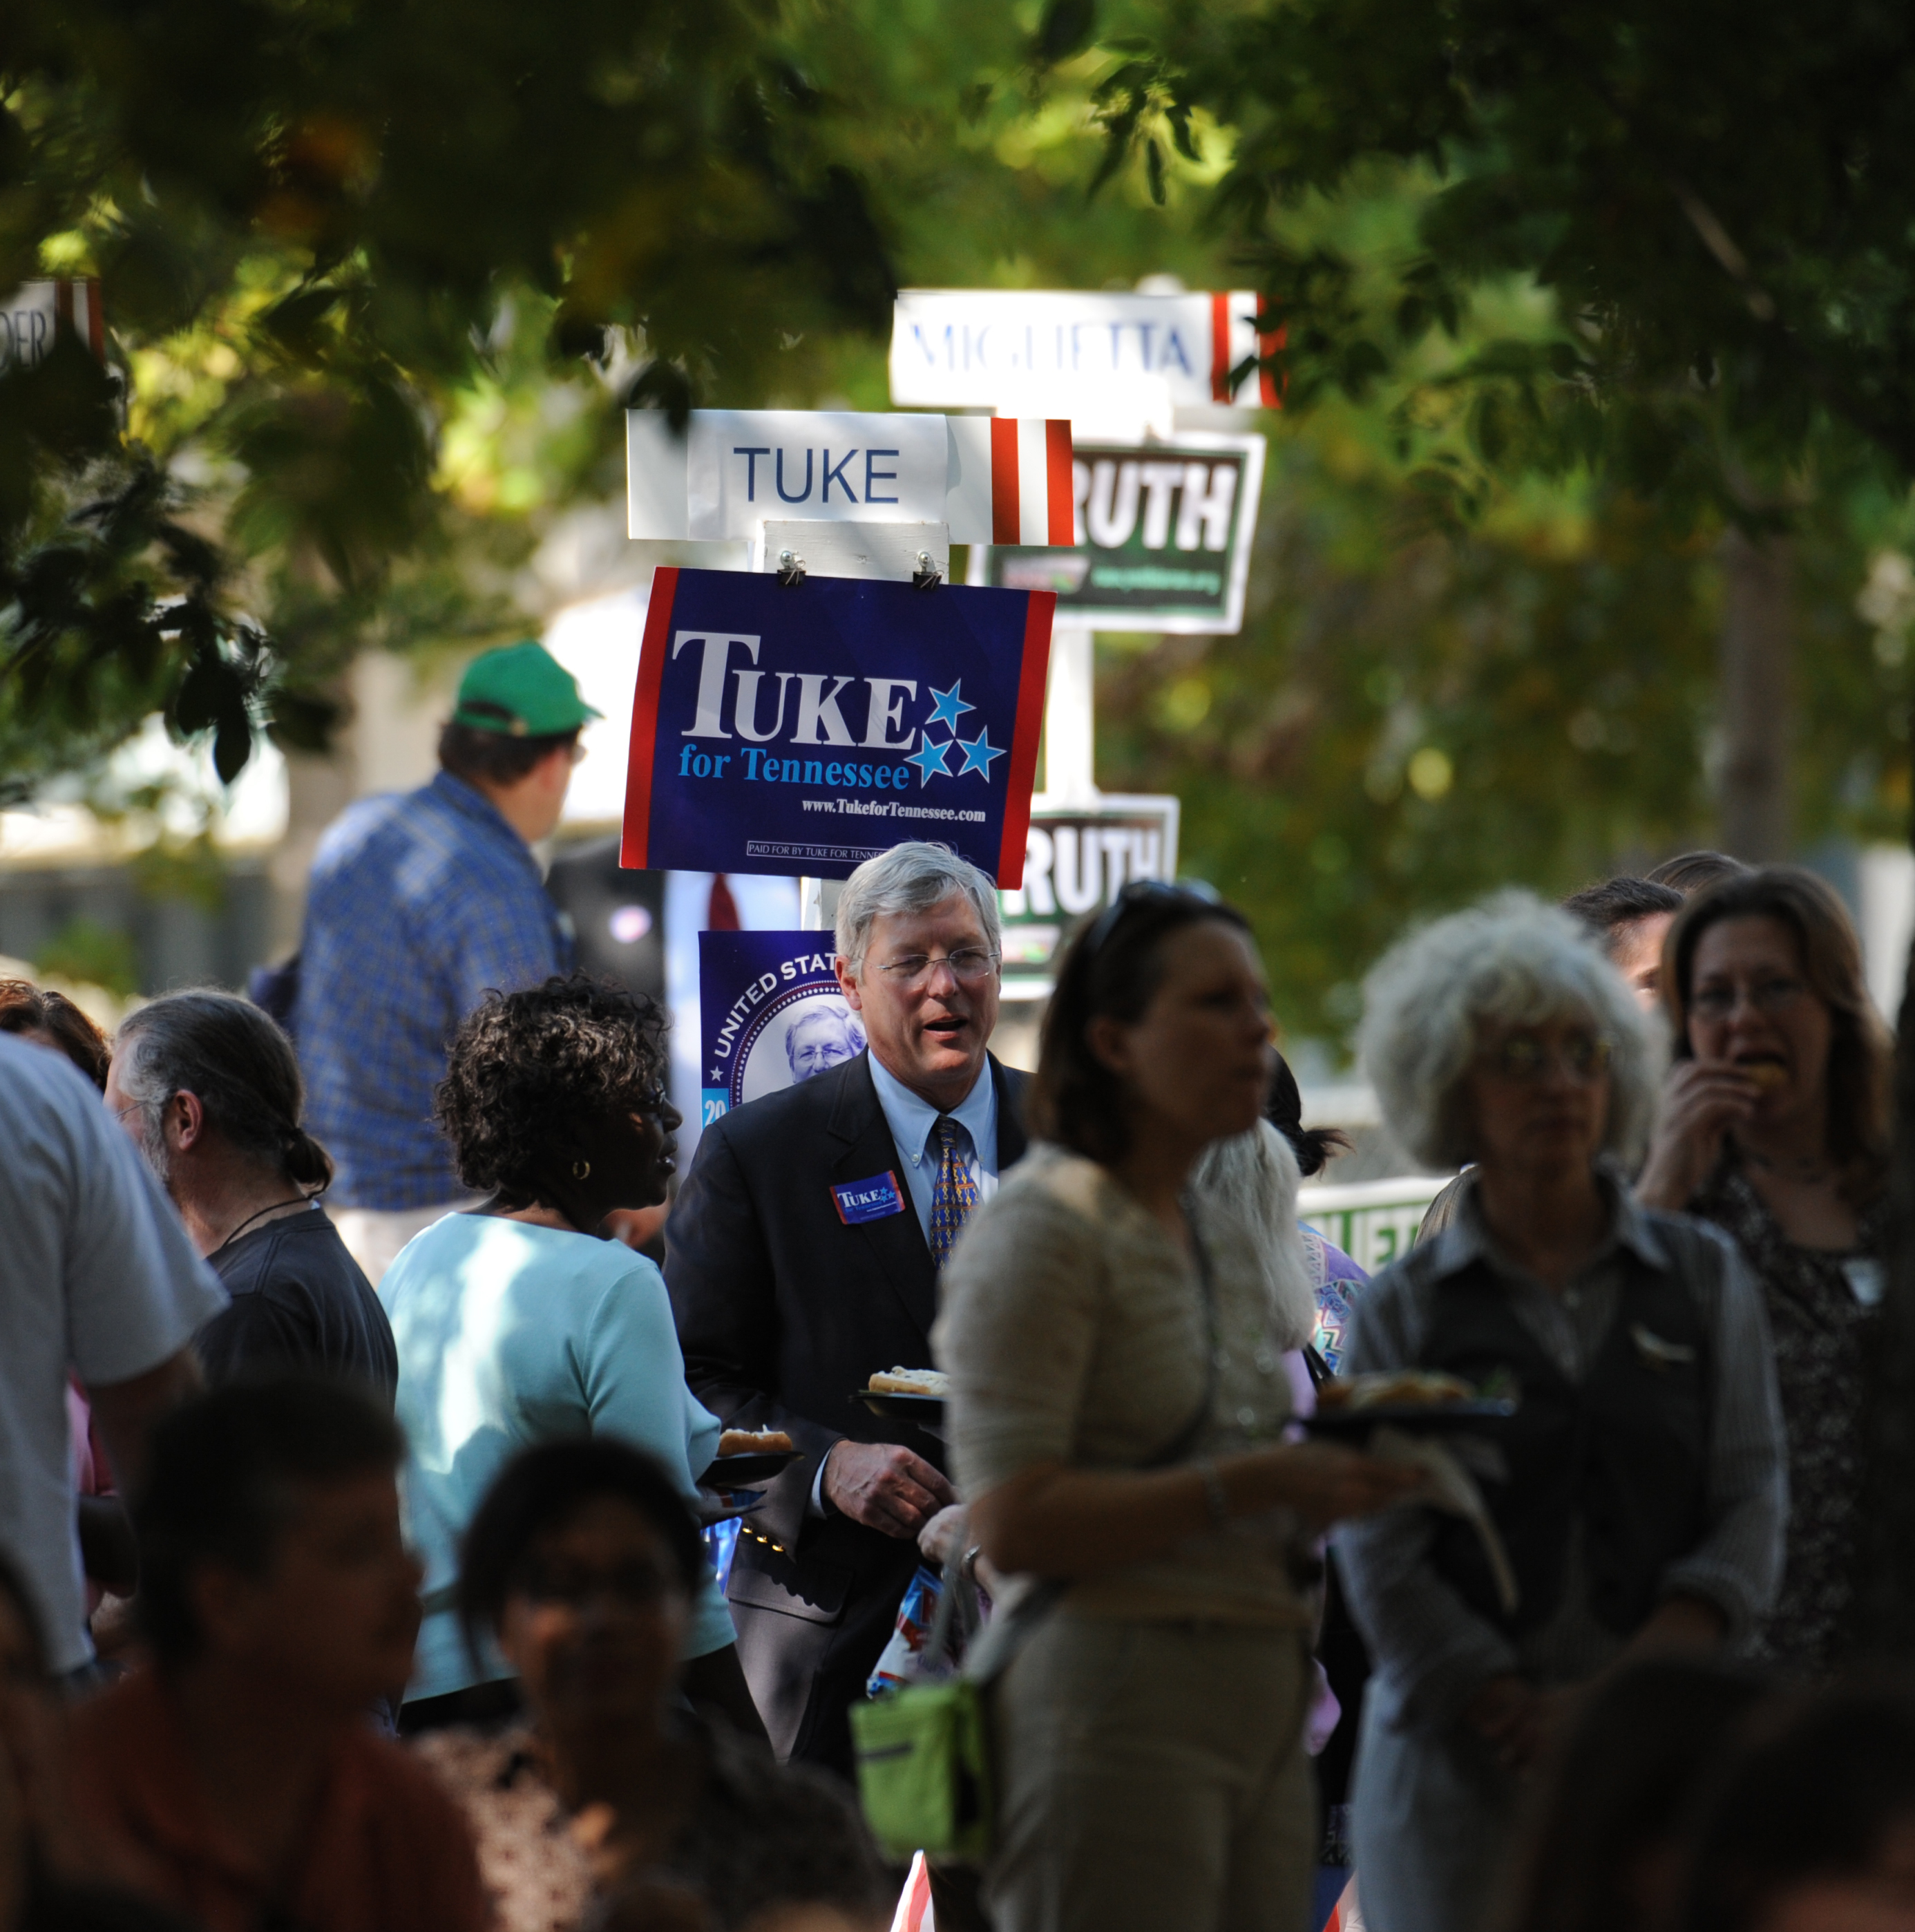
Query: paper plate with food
{"x":750,"y":1456}
{"x":906,"y":1395}
{"x":1416,"y":1400}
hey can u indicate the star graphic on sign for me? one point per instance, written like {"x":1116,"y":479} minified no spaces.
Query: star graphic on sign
{"x":947,"y":707}
{"x":978,"y":752}
{"x":931,"y":759}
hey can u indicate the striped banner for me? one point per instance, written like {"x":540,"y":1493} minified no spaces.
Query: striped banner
{"x":914,"y":1912}
{"x":1014,"y":483}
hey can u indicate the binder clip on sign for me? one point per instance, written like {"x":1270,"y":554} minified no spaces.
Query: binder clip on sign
{"x":990,"y":479}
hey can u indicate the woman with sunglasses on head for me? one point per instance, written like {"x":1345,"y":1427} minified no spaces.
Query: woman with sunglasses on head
{"x":526,"y":1319}
{"x":1775,"y":1127}
{"x":1638,"y":1487}
{"x":1117,"y":1414}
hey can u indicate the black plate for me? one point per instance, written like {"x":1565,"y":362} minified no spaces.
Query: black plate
{"x":1424,"y":1418}
{"x":750,"y":1466}
{"x":918,"y":1409}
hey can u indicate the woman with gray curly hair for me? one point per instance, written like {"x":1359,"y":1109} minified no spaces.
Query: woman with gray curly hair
{"x":524,"y":1319}
{"x":1639,"y":1488}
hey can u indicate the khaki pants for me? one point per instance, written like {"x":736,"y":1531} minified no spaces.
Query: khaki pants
{"x":1152,"y":1778}
{"x":373,"y":1236}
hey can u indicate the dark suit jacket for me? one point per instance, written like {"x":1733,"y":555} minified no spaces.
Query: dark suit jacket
{"x":783,"y":1311}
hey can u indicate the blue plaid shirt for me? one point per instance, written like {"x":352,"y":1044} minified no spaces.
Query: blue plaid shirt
{"x":419,"y":903}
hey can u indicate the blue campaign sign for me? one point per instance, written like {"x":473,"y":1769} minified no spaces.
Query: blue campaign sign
{"x":804,"y":729}
{"x":769,"y":1015}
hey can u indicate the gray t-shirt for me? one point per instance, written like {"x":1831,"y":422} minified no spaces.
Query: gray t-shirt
{"x":96,"y":1273}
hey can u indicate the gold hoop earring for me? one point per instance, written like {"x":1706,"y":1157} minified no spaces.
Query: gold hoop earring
{"x":581,"y":1170}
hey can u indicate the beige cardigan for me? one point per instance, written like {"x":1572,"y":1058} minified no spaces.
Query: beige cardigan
{"x":1073,"y":1331}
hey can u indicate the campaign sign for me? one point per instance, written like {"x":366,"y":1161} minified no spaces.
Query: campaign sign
{"x":770,"y":1015}
{"x":1164,"y":531}
{"x":803,"y":729}
{"x":959,"y":348}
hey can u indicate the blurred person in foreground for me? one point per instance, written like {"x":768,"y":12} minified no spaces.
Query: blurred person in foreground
{"x":1646,"y":1488}
{"x":803,"y":1255}
{"x":1811,"y":1828}
{"x":238,"y":1776}
{"x":418,"y":905}
{"x":97,"y":1277}
{"x":48,"y":1019}
{"x":582,"y":1566}
{"x":54,"y":1875}
{"x":1775,"y":1127}
{"x":523,"y":1319}
{"x":1117,"y":1412}
{"x":1606,"y":1848}
{"x":207,"y":1087}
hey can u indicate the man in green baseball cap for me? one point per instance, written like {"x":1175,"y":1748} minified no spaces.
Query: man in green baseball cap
{"x":522,"y":691}
{"x":419,"y":904}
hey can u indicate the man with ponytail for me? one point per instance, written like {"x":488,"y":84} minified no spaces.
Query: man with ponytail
{"x":208,"y":1088}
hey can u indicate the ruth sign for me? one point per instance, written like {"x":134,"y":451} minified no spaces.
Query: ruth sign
{"x":974,"y":348}
{"x":1077,"y":861}
{"x":1164,"y":531}
{"x":802,"y":730}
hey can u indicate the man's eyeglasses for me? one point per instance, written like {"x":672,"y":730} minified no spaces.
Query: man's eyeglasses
{"x":970,"y":966}
{"x":1766,"y":997}
{"x":1527,"y":1057}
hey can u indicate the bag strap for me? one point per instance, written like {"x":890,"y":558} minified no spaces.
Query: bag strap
{"x":1009,"y":1632}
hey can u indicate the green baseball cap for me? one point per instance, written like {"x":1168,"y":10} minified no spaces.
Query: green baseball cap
{"x":522,"y":691}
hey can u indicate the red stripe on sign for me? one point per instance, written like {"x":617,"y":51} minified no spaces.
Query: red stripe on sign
{"x":1036,"y":668}
{"x":1220,"y":349}
{"x":1268,"y":345}
{"x":1004,"y":480}
{"x":651,"y":655}
{"x":96,"y":322}
{"x":1062,"y":495}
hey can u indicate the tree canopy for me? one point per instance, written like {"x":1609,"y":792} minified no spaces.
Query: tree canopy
{"x":1717,"y":200}
{"x":320,"y":227}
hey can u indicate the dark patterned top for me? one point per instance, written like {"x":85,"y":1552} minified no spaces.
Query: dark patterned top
{"x":1821,"y":1316}
{"x":761,"y":1834}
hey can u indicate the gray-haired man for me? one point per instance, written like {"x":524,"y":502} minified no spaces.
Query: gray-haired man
{"x":802,"y":1256}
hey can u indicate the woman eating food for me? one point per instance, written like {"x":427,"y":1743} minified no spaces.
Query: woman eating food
{"x":525,"y":1319}
{"x":1637,"y":1489}
{"x":1775,"y":1127}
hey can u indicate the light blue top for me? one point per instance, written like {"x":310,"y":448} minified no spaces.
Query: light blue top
{"x":509,"y":1335}
{"x":911,"y":1121}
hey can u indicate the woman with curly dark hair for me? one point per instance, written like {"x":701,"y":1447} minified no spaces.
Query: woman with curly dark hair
{"x":522,"y":1321}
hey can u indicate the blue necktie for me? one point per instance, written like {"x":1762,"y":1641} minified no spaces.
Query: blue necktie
{"x":956,"y":1192}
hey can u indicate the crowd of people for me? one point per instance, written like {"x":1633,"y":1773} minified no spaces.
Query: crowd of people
{"x":356,"y":1565}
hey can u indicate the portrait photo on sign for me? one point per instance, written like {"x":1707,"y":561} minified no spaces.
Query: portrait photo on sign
{"x":808,"y":1036}
{"x":771,"y":1014}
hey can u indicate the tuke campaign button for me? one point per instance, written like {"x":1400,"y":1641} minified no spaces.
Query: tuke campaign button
{"x":870,"y":1200}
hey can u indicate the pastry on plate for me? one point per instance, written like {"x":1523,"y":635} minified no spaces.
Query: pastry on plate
{"x":910,"y":1381}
